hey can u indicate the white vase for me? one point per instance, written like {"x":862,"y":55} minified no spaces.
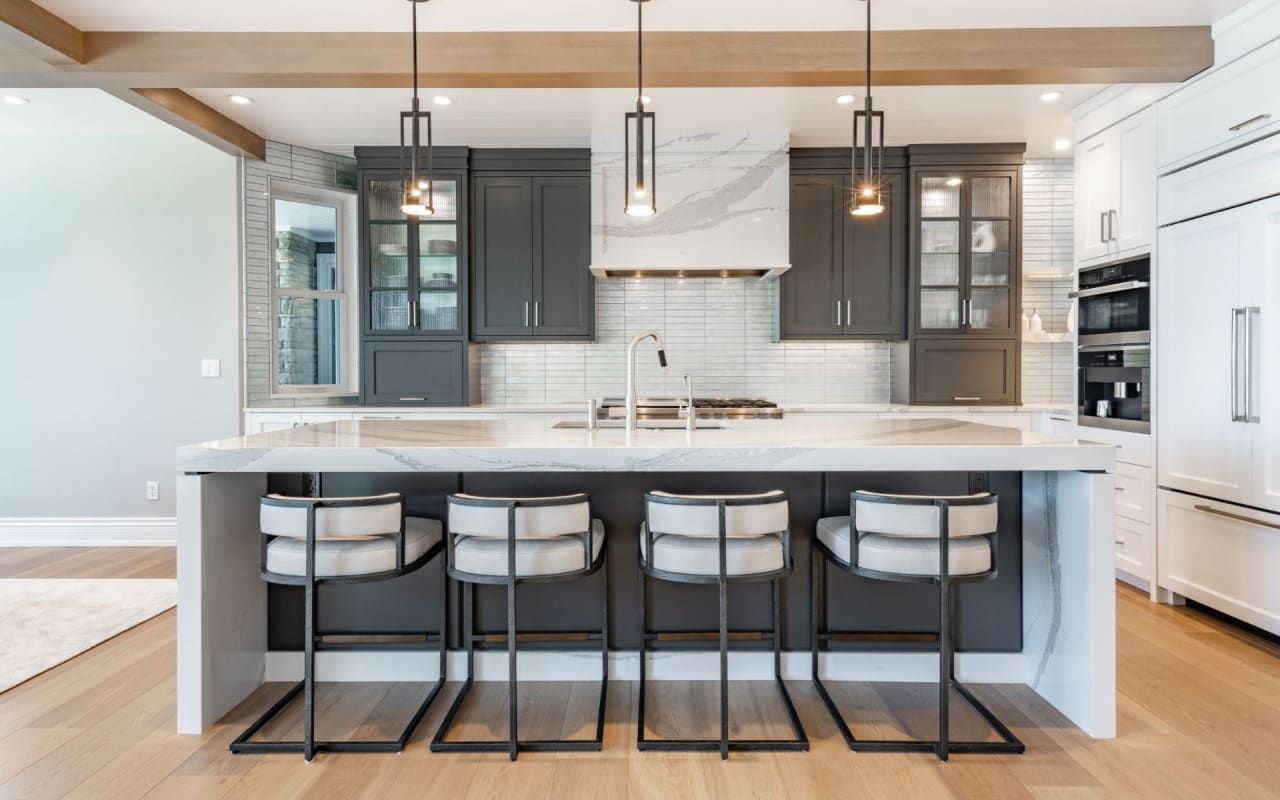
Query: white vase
{"x":1037,"y":324}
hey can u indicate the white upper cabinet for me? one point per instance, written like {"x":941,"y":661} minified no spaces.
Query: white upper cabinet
{"x":1219,"y":355}
{"x":1116,"y":190}
{"x":1227,"y":108}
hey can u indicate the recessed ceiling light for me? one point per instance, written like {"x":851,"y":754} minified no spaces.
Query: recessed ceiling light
{"x":240,"y":99}
{"x":441,"y":100}
{"x":1049,"y":97}
{"x":1061,"y":144}
{"x":14,"y":100}
{"x":844,"y":99}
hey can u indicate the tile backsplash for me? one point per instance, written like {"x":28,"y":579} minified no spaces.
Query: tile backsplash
{"x":720,"y":331}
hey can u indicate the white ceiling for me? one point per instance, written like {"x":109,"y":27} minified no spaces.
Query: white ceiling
{"x":338,"y":119}
{"x":566,"y":15}
{"x":74,"y":111}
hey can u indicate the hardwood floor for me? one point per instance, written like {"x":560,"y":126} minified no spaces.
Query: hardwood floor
{"x":1199,"y":717}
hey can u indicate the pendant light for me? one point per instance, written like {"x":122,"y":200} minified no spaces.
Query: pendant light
{"x":416,"y":186}
{"x":641,"y":197}
{"x":867,"y":200}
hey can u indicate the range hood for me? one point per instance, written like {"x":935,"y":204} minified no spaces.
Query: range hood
{"x":723,"y":210}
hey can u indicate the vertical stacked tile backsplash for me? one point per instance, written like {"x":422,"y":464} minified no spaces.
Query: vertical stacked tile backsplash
{"x":1048,"y":370}
{"x":720,"y":331}
{"x":297,"y":165}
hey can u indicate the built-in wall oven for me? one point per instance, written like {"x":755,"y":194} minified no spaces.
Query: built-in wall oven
{"x":1114,"y":362}
{"x":1115,"y":303}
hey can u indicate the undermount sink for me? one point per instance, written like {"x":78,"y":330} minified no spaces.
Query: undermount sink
{"x":652,"y":424}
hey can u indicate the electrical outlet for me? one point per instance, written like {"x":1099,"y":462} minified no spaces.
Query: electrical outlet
{"x":153,"y":490}
{"x":210,"y":368}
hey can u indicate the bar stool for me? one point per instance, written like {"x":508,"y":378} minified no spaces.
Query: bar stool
{"x":714,"y":540}
{"x":508,"y":541}
{"x":311,"y":542}
{"x":920,"y":539}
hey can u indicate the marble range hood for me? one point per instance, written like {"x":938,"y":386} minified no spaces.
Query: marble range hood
{"x":723,"y":206}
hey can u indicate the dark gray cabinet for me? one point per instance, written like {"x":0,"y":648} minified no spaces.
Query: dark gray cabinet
{"x":848,"y":276}
{"x":414,"y":283}
{"x":966,"y":267}
{"x":531,"y":218}
{"x":414,"y":373}
{"x":952,"y":371}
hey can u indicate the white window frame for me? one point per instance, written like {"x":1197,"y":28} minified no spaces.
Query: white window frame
{"x":347,"y":293}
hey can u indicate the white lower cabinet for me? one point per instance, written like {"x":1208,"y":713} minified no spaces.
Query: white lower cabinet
{"x":1133,"y":492}
{"x":1134,"y":550}
{"x":1222,"y":555}
{"x":265,"y":422}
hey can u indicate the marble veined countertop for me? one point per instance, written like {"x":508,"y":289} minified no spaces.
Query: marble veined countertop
{"x":801,"y":443}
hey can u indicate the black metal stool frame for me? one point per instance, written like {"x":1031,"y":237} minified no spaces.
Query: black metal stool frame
{"x":823,"y":556}
{"x":314,"y":637}
{"x":723,"y":744}
{"x":513,"y":745}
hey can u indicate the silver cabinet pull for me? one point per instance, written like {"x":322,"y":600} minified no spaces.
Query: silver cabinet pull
{"x":1119,"y":488}
{"x":526,"y":313}
{"x":537,"y":316}
{"x":966,"y":399}
{"x":837,"y":313}
{"x":1239,"y":517}
{"x":418,"y":399}
{"x":1239,"y":126}
{"x":848,"y":312}
{"x":1113,"y":222}
{"x":1102,"y":227}
{"x":1249,"y":313}
{"x":1111,"y":288}
{"x":1236,"y":315}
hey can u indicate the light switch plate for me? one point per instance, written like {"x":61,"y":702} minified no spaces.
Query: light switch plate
{"x":210,"y":368}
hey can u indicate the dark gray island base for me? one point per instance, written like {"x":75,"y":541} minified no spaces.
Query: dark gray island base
{"x":1046,"y":620}
{"x":989,"y":618}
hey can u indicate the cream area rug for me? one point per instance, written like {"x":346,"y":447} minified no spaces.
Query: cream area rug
{"x":44,"y":622}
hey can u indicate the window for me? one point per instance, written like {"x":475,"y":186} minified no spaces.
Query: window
{"x":313,"y":273}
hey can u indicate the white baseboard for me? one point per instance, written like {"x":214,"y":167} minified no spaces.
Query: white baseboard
{"x":625,"y":666}
{"x":88,"y":531}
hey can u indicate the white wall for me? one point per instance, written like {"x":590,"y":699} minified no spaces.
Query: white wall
{"x":118,"y":255}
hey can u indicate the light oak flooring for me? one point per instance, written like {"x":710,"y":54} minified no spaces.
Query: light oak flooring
{"x":1199,"y":717}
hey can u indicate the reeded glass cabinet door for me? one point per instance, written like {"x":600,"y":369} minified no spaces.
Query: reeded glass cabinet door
{"x":991,"y":252}
{"x":941,"y":273}
{"x":413,"y":275}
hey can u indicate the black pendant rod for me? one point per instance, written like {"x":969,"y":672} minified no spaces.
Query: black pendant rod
{"x":413,"y":178}
{"x":866,"y":156}
{"x":640,"y":187}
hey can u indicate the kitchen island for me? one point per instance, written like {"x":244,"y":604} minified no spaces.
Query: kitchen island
{"x":1048,"y":619}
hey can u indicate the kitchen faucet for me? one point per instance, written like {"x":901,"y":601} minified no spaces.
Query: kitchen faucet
{"x":632,"y":421}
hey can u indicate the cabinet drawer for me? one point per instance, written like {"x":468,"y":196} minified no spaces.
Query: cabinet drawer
{"x":1132,"y":547}
{"x":1234,"y":105}
{"x":966,"y":372}
{"x":414,"y":373}
{"x":1222,"y":555}
{"x":1133,"y":492}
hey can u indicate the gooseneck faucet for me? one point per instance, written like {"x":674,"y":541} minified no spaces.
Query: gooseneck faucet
{"x":632,"y":414}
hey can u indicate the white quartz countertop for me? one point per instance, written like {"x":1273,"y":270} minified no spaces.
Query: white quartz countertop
{"x":802,"y":443}
{"x":578,"y":408}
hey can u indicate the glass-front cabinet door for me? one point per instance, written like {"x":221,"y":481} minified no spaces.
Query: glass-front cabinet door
{"x":967,"y":257}
{"x":413,"y":278}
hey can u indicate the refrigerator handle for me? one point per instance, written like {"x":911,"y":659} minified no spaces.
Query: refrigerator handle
{"x":1249,"y":353}
{"x":1236,"y":416}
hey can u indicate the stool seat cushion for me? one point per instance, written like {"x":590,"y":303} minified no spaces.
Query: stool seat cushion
{"x":901,"y":555}
{"x":700,"y":555}
{"x":543,"y":556}
{"x":348,"y":558}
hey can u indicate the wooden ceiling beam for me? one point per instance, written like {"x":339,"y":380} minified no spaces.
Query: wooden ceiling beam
{"x":672,"y":58}
{"x":186,"y":113}
{"x":46,"y":35}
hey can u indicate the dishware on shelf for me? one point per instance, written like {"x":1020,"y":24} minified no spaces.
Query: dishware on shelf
{"x":393,"y":249}
{"x":1026,"y":321}
{"x":441,"y":247}
{"x":984,"y":238}
{"x":1037,"y":324}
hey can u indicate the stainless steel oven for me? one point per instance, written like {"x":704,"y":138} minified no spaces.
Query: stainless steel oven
{"x":1115,"y":303}
{"x":1114,"y":386}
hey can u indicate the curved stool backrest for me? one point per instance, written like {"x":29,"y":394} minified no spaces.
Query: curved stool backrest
{"x":730,"y":516}
{"x":514,"y":518}
{"x":923,"y":517}
{"x":316,"y":519}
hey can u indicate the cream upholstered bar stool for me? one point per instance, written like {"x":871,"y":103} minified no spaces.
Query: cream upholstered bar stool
{"x":716,"y":539}
{"x":947,"y":541}
{"x":314,"y":542}
{"x":508,"y":541}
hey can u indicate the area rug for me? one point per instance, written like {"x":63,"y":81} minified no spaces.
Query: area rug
{"x":44,"y":622}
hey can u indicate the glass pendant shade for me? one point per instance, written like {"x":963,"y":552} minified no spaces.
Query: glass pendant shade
{"x":416,"y":198}
{"x":639,"y":155}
